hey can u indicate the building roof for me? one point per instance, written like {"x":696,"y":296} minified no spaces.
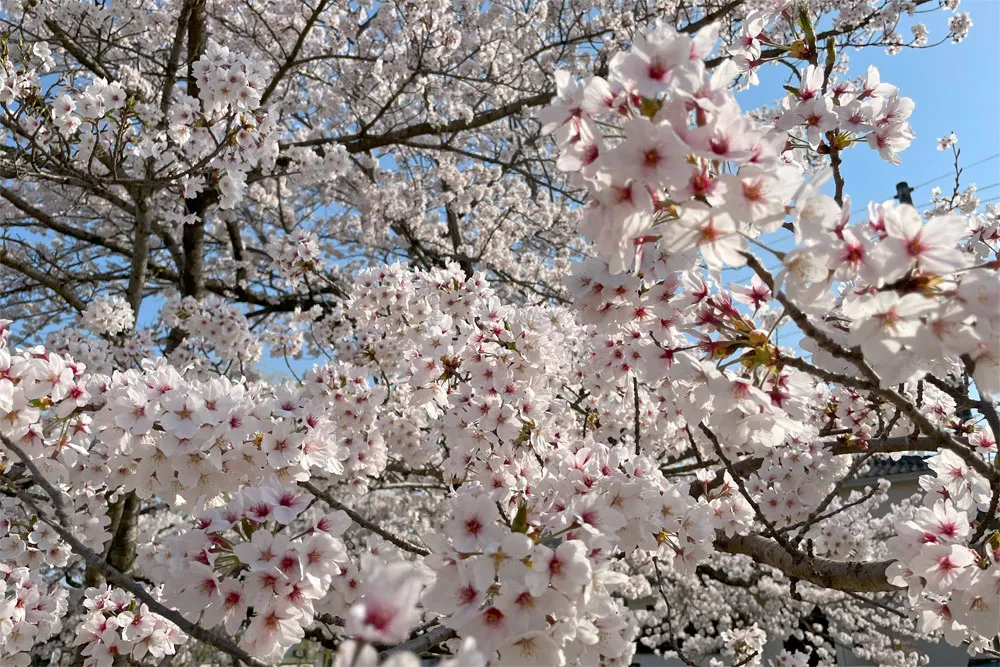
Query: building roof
{"x":884,"y":466}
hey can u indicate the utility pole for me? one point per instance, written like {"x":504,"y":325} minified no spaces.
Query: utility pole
{"x":903,"y":192}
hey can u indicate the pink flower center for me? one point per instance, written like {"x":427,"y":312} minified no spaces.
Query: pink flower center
{"x":473,"y":526}
{"x":657,"y":70}
{"x":493,"y":617}
{"x":467,"y":594}
{"x":379,"y":616}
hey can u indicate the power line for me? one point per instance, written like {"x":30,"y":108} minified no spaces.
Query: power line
{"x":985,"y":201}
{"x":952,"y":172}
{"x":978,"y":190}
{"x":938,"y":178}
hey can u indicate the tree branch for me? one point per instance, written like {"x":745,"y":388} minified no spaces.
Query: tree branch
{"x":422,"y":643}
{"x":123,"y":581}
{"x":361,"y":521}
{"x":842,"y":576}
{"x":56,"y":286}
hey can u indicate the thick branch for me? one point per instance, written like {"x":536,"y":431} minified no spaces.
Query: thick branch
{"x":77,"y":51}
{"x":293,"y":54}
{"x":50,"y":222}
{"x":869,"y":380}
{"x":140,"y":256}
{"x":705,"y":20}
{"x":359,"y":143}
{"x":843,"y":576}
{"x":173,"y":61}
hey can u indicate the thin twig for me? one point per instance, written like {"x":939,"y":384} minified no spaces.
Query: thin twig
{"x":738,"y":480}
{"x":635,"y":391}
{"x":673,"y":645}
{"x":361,"y":521}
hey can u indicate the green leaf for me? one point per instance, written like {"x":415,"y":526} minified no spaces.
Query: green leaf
{"x":805,"y":21}
{"x":520,"y":524}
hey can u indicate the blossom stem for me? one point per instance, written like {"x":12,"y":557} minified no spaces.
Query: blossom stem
{"x":361,"y":521}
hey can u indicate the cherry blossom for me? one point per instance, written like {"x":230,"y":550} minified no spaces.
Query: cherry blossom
{"x":507,"y":337}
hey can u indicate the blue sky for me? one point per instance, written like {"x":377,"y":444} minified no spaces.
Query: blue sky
{"x":955,"y":87}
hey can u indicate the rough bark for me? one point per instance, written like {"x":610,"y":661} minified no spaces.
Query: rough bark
{"x":849,"y":576}
{"x":140,"y":255}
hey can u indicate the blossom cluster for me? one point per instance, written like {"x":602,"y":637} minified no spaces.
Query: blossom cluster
{"x":680,"y":128}
{"x":240,"y":556}
{"x":214,"y":326}
{"x":494,"y":572}
{"x":295,"y":256}
{"x":117,"y":625}
{"x":953,"y":584}
{"x":219,"y":123}
{"x":31,"y":612}
{"x":108,"y":316}
{"x":908,"y":296}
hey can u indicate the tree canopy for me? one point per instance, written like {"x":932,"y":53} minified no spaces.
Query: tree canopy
{"x":497,"y":333}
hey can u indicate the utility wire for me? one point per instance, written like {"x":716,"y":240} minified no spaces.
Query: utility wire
{"x":952,"y":172}
{"x":985,"y":201}
{"x":945,"y":175}
{"x":978,"y":190}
